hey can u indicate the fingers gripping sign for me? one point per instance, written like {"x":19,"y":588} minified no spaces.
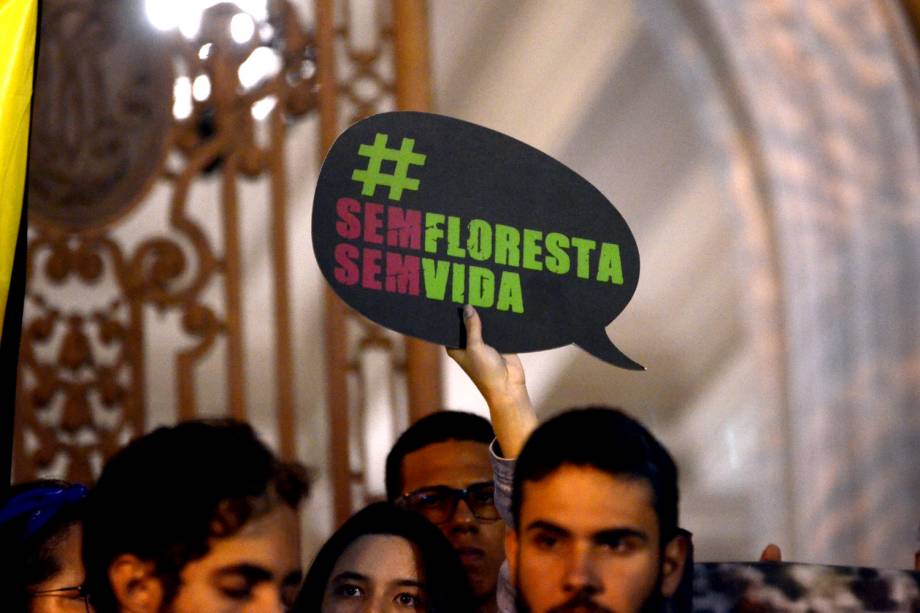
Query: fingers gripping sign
{"x":500,"y":380}
{"x":493,"y":373}
{"x":771,"y":553}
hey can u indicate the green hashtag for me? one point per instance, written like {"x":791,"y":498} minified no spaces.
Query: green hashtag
{"x":371,"y":177}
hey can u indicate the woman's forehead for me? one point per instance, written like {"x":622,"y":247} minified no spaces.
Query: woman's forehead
{"x":381,"y":558}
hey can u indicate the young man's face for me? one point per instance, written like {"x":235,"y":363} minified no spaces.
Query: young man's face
{"x":256,"y":570}
{"x":589,"y":541}
{"x":479,"y":542}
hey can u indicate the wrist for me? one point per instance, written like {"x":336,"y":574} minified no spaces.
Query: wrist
{"x":512,"y":400}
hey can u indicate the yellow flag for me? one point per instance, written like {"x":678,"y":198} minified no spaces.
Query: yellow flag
{"x":18,"y":20}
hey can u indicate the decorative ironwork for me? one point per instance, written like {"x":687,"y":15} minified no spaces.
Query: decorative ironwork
{"x":130,"y":123}
{"x":358,"y":65}
{"x":82,"y":381}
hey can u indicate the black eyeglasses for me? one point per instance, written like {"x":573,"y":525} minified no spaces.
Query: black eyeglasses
{"x":439,"y":503}
{"x":76,"y":592}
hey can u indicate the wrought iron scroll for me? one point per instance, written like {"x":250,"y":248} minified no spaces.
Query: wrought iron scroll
{"x":121,"y":109}
{"x":372,"y":57}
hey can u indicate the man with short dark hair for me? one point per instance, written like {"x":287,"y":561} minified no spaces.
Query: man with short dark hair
{"x":440,"y":427}
{"x":440,"y":467}
{"x":594,"y":503}
{"x":593,"y":523}
{"x":196,"y":517}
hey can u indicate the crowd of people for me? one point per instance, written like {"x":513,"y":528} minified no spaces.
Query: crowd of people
{"x":579,"y":513}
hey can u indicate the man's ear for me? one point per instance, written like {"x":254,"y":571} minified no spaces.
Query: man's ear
{"x":511,"y":548}
{"x":674,"y":558}
{"x":135,"y":584}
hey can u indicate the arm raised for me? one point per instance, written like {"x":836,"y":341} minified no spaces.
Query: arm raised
{"x":500,"y":380}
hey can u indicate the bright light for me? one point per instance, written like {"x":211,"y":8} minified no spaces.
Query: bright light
{"x":266,"y":32}
{"x":263,"y":62}
{"x":205,"y":51}
{"x":242,"y":27}
{"x":257,"y":8}
{"x":163,"y":14}
{"x":182,"y":98}
{"x":186,"y":14}
{"x":262,"y":108}
{"x":201,"y":88}
{"x":189,"y":24}
{"x":307,"y":69}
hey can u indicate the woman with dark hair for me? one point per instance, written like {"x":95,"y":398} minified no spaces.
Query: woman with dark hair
{"x":385,"y":559}
{"x":41,"y":569}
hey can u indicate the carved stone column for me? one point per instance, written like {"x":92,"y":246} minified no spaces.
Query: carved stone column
{"x":812,"y":107}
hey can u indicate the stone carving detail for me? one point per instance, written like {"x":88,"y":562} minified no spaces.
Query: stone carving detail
{"x":99,"y":131}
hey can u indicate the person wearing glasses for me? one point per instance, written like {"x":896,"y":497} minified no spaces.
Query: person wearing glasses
{"x":41,"y":568}
{"x":440,"y":467}
{"x":385,"y":559}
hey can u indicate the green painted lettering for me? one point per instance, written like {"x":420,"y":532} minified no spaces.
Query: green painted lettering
{"x":509,"y":293}
{"x":507,"y":245}
{"x":482,"y":287}
{"x":453,"y":238}
{"x":609,"y":267}
{"x":584,"y":246}
{"x":557,"y":260}
{"x":433,"y":231}
{"x":479,"y":243}
{"x":458,"y":282}
{"x":435,"y":273}
{"x":532,"y":249}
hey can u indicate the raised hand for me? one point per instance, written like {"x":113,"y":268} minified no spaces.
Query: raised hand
{"x":500,"y":380}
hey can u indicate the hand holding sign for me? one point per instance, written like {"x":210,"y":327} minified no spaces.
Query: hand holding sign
{"x":416,"y":214}
{"x":500,"y":380}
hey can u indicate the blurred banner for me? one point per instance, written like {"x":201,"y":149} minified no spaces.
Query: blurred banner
{"x":18,"y":20}
{"x":758,"y":587}
{"x":18,"y":23}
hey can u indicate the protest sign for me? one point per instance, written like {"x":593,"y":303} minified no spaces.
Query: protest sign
{"x":416,"y":214}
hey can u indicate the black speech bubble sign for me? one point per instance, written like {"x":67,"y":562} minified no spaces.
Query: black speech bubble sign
{"x":416,"y":214}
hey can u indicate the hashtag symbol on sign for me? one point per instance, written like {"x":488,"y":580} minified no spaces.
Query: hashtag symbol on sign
{"x":376,"y":154}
